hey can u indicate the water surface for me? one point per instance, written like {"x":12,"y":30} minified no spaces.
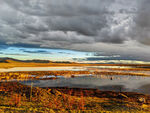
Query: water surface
{"x":73,"y":68}
{"x":140,"y":84}
{"x":103,"y":82}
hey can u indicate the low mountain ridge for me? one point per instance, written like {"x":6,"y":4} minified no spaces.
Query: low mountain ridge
{"x":7,"y":60}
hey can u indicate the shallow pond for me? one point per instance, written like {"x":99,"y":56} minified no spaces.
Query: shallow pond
{"x":103,"y":82}
{"x":72,"y":68}
{"x":140,"y":84}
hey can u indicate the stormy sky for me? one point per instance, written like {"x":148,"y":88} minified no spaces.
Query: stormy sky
{"x":109,"y":27}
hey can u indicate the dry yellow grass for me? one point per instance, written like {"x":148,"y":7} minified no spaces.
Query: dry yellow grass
{"x":16,"y":97}
{"x":12,"y":64}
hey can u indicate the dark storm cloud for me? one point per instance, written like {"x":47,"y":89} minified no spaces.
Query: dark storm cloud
{"x":65,"y":53}
{"x":86,"y":25}
{"x":109,"y":58}
{"x":60,"y":8}
{"x":47,"y":23}
{"x":14,"y":54}
{"x":2,"y":46}
{"x":102,"y":54}
{"x":141,"y":27}
{"x":37,"y":51}
{"x":83,"y":25}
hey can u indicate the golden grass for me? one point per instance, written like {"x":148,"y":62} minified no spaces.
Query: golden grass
{"x":26,"y":75}
{"x":18,"y":99}
{"x":12,"y":64}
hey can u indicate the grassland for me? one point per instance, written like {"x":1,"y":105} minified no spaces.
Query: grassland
{"x":18,"y":98}
{"x":11,"y":64}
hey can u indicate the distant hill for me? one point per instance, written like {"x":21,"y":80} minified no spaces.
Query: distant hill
{"x":3,"y":61}
{"x":7,"y":60}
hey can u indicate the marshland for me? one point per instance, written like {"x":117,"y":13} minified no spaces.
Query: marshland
{"x":81,"y":88}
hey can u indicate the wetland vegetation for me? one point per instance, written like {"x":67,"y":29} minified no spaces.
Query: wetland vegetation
{"x":34,"y":92}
